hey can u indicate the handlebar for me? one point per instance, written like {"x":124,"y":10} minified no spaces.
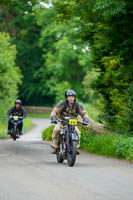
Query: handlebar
{"x":64,"y":121}
{"x":10,"y":117}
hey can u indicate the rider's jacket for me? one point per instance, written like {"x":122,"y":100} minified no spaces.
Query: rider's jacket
{"x":63,"y":109}
{"x":21,"y":112}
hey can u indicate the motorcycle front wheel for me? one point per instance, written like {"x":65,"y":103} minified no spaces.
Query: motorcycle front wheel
{"x":14,"y":133}
{"x":71,"y":154}
{"x":59,"y":154}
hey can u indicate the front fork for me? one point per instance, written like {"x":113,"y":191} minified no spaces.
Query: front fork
{"x":71,"y":136}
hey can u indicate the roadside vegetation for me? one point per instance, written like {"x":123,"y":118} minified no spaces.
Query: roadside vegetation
{"x":93,"y":111}
{"x":111,"y":145}
{"x":28,"y":124}
{"x":37,"y":115}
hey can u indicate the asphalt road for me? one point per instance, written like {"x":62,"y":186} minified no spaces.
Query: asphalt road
{"x":29,"y":172}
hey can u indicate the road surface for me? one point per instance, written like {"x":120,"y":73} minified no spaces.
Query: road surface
{"x":29,"y":172}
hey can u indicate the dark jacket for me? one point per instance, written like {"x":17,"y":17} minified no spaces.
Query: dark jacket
{"x":21,"y":112}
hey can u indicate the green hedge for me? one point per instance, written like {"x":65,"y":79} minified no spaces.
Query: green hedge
{"x":112,"y":145}
{"x":47,"y":133}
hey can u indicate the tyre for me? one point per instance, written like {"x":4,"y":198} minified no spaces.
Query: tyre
{"x":59,"y":154}
{"x":14,"y":133}
{"x":71,"y":154}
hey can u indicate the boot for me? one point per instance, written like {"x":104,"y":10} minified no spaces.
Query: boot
{"x":20,"y":133}
{"x":9,"y":132}
{"x":78,"y":152}
{"x":54,"y":151}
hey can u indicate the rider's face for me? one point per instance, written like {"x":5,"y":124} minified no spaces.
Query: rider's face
{"x":17,"y":105}
{"x":70,"y":99}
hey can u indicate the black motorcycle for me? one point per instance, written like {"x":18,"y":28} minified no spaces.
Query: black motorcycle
{"x":67,"y":147}
{"x":14,"y":128}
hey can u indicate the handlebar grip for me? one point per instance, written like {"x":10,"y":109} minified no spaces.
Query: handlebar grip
{"x":85,"y":124}
{"x":53,"y":122}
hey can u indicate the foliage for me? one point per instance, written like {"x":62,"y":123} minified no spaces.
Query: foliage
{"x":3,"y":130}
{"x":9,"y":75}
{"x":106,"y":26}
{"x":17,"y":19}
{"x":47,"y":133}
{"x":37,"y":115}
{"x":113,"y":145}
{"x":83,"y":45}
{"x":93,"y":111}
{"x":60,"y":90}
{"x":28,"y":124}
{"x":65,"y":57}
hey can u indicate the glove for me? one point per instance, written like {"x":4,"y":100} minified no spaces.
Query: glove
{"x":20,"y":117}
{"x":10,"y":116}
{"x":85,"y":121}
{"x":53,"y":120}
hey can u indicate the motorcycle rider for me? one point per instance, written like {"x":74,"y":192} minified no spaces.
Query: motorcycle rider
{"x":67,"y":108}
{"x":17,"y":110}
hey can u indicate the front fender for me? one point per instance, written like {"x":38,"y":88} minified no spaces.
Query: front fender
{"x":74,"y":137}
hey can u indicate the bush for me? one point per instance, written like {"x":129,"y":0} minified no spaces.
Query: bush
{"x":113,"y":145}
{"x":47,"y":133}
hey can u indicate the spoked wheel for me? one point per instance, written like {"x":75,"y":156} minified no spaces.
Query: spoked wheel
{"x":15,"y":133}
{"x":71,"y":153}
{"x":59,"y":154}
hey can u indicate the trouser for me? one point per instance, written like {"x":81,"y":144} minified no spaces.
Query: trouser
{"x":20,"y":124}
{"x":56,"y":133}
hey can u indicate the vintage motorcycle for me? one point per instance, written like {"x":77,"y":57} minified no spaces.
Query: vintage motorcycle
{"x":67,"y":147}
{"x":15,"y":120}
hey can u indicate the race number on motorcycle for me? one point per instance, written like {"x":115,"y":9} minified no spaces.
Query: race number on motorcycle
{"x":15,"y":117}
{"x":73,"y":122}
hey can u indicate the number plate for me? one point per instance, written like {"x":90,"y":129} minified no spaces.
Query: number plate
{"x":15,"y":117}
{"x":73,"y":121}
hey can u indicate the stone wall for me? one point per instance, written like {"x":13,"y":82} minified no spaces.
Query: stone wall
{"x":38,"y":110}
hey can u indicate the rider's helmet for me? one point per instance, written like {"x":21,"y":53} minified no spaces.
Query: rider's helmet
{"x":18,"y":101}
{"x":70,"y":93}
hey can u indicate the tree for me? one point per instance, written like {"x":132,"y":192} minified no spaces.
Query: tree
{"x":66,"y":56}
{"x":107,"y":26}
{"x":9,"y":74}
{"x":17,"y":19}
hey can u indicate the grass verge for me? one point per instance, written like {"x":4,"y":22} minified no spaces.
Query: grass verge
{"x":111,"y":145}
{"x":36,"y":115}
{"x":28,"y":124}
{"x":3,"y":130}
